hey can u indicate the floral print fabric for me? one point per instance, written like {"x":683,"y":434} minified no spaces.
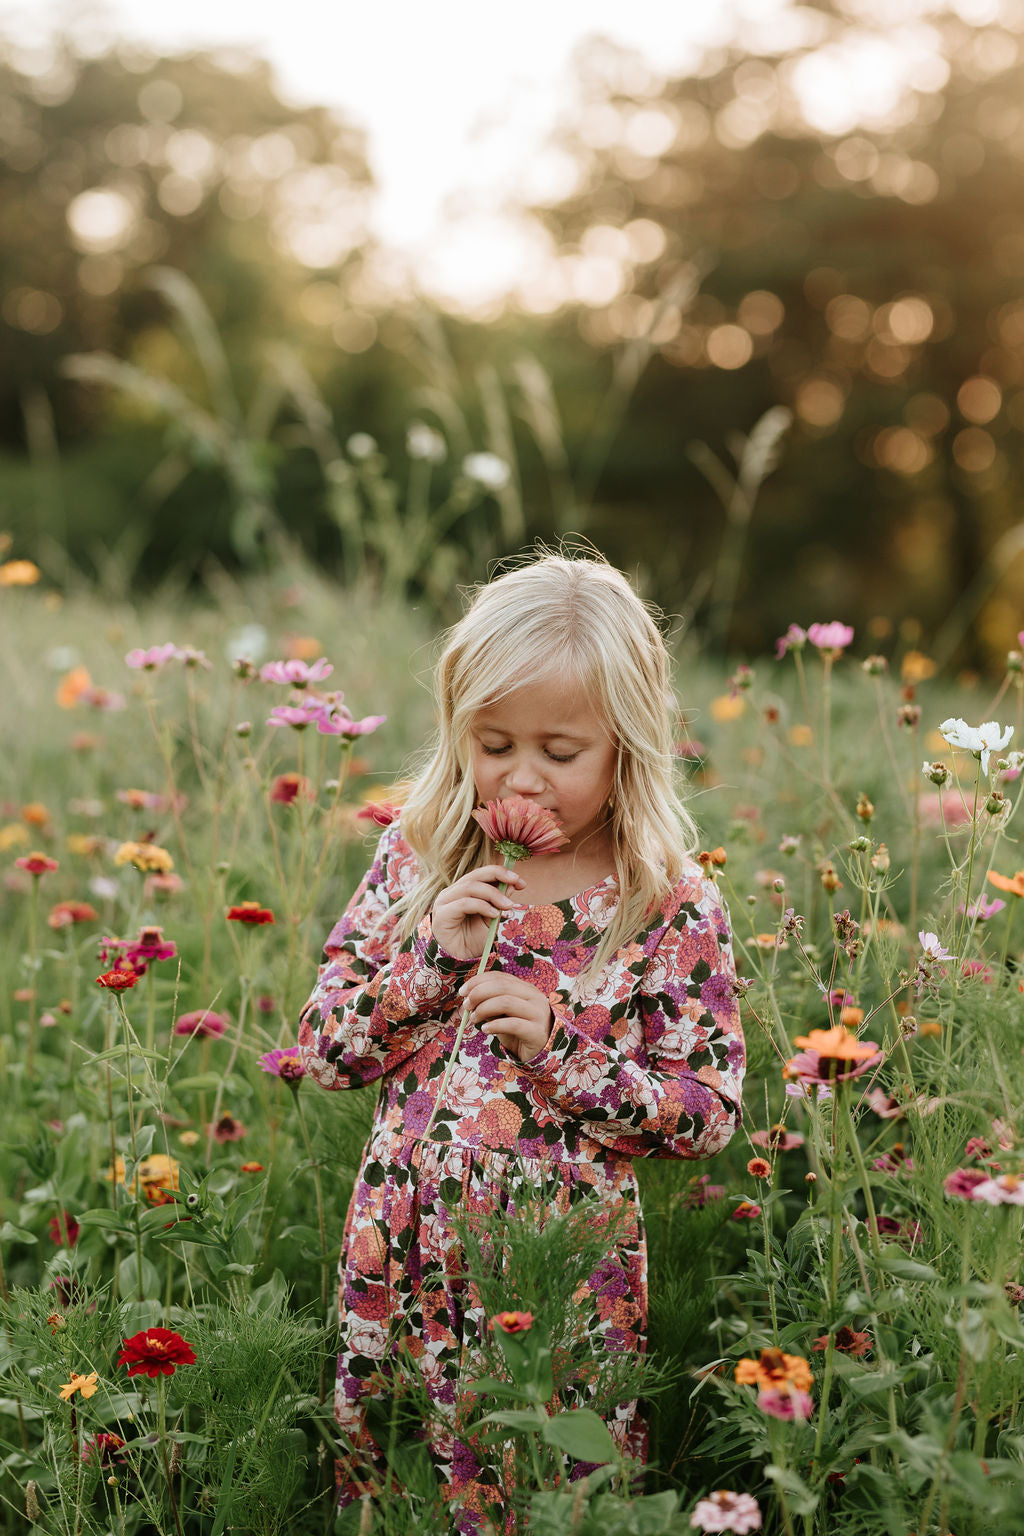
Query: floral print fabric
{"x":645,"y":1059}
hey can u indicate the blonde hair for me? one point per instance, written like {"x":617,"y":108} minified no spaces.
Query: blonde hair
{"x":564,"y":613}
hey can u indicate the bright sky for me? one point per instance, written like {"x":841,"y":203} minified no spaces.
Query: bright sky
{"x":458,"y":96}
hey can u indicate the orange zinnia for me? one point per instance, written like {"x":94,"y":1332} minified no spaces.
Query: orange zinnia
{"x":772,"y":1369}
{"x":1014,"y":884}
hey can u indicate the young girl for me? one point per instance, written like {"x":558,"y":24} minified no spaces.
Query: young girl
{"x":604,"y":1028}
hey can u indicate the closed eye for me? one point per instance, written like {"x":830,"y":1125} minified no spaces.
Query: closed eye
{"x":556,"y":757}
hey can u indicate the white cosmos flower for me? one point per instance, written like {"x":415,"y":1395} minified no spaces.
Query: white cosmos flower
{"x":980,"y":739}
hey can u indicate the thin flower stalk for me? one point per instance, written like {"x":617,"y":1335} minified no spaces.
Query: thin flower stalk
{"x":321,"y":1227}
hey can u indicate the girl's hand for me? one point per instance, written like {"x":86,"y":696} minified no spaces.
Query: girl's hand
{"x":511,"y":1009}
{"x":463,"y":913}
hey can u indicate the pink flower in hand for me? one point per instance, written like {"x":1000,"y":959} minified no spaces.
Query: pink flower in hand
{"x":520,"y":829}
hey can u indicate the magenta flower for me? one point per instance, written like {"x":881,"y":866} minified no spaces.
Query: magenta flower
{"x":284,"y":1064}
{"x":794,"y":639}
{"x":982,"y":909}
{"x":152,"y":660}
{"x":725,"y":1511}
{"x":785,"y":1402}
{"x":201,"y":1022}
{"x":830,"y":639}
{"x":962,"y":1183}
{"x":150,"y":945}
{"x":296,"y":673}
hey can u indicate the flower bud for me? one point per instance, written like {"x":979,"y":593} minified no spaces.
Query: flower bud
{"x":865,"y":808}
{"x":243,"y":729}
{"x":995,"y":802}
{"x":874,"y":666}
{"x":742,"y":678}
{"x":829,"y":879}
{"x":751,"y":901}
{"x":810,"y":1178}
{"x":778,"y":885}
{"x":908,"y":715}
{"x":860,"y":845}
{"x":880,"y":860}
{"x":244,"y":668}
{"x":936,"y":773}
{"x":1014,"y":661}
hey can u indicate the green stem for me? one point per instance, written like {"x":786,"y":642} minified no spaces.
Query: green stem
{"x":321,"y":1224}
{"x":464,"y":1021}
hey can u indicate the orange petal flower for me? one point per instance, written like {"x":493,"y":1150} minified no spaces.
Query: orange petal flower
{"x":836,"y":1043}
{"x":1014,"y":884}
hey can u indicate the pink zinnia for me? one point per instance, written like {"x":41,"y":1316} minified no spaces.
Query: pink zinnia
{"x":1005,"y":1190}
{"x":725,"y":1511}
{"x":962,"y":1183}
{"x":154,"y":658}
{"x":831,"y":639}
{"x":36,"y":863}
{"x":778,"y":1138}
{"x":150,"y":945}
{"x":520,"y":829}
{"x":785,"y":1402}
{"x":297,"y":673}
{"x":201,"y":1022}
{"x":227,"y":1128}
{"x":284,"y":1064}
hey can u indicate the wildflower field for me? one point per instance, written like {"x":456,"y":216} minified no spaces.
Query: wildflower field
{"x":835,"y":1332}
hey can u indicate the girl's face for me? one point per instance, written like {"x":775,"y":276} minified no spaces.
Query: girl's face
{"x":546,"y":742}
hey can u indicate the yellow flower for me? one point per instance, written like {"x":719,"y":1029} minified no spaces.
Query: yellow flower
{"x":158,"y":1176}
{"x":145,"y":856}
{"x":19,"y":573}
{"x":916,"y":667}
{"x":727,"y":707}
{"x":35,"y":814}
{"x":13,"y":836}
{"x":800,"y":736}
{"x":85,"y":843}
{"x":85,"y":1384}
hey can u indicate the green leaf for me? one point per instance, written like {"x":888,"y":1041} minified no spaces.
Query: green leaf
{"x":581,"y":1433}
{"x":799,"y":1497}
{"x":512,"y":1418}
{"x":895,"y":1262}
{"x":491,"y":1386}
{"x":9,"y":1233}
{"x":107,"y":1221}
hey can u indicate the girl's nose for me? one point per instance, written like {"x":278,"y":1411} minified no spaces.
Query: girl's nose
{"x":523,"y":779}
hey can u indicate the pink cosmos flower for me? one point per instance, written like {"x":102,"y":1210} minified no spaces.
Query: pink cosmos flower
{"x":785,"y":1402}
{"x":519,"y":828}
{"x":154,"y":658}
{"x":725,"y":1511}
{"x":794,"y":639}
{"x":830,"y":639}
{"x":778,"y":1138}
{"x":962,"y":1183}
{"x":831,"y":1056}
{"x":298,"y":716}
{"x":381,"y":812}
{"x":981,"y":909}
{"x":932,"y":946}
{"x":296,"y":673}
{"x":201,"y":1022}
{"x":335,"y":720}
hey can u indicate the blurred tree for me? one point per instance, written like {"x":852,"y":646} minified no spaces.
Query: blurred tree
{"x":868,"y":277}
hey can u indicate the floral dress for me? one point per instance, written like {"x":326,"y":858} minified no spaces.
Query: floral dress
{"x":644,"y":1060}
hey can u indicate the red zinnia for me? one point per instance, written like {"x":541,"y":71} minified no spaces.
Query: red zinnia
{"x":36,"y":863}
{"x":250,"y":912}
{"x":61,"y":1226}
{"x":519,"y":829}
{"x":155,"y":1352}
{"x":67,"y":912}
{"x":287,"y":788}
{"x":118,"y":980}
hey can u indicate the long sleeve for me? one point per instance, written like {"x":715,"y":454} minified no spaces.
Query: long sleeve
{"x":664,"y":1078}
{"x":376,"y":1003}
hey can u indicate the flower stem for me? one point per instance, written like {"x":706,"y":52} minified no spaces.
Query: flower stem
{"x":464,"y":1021}
{"x":321,"y":1223}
